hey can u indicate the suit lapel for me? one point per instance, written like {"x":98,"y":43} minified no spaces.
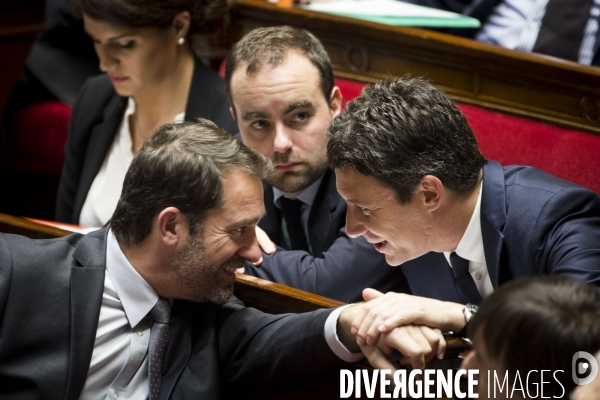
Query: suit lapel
{"x":493,"y":218}
{"x":179,"y":348}
{"x":320,"y":218}
{"x":101,"y":139}
{"x":87,"y":286}
{"x":271,"y":223}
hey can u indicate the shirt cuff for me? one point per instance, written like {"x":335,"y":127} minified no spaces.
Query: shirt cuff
{"x":334,"y":342}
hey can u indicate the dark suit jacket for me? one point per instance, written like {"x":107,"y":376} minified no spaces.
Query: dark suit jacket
{"x":340,"y":267}
{"x":95,"y":119}
{"x":532,"y":223}
{"x":50,"y":299}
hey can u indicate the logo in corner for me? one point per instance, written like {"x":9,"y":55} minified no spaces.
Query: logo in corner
{"x":584,"y":368}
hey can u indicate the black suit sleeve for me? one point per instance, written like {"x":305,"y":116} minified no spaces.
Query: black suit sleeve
{"x":257,"y":349}
{"x":342,"y":272}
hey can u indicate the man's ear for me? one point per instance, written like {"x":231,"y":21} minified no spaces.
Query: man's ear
{"x":335,"y":101}
{"x":181,"y":24}
{"x":431,"y":192}
{"x":172,"y":226}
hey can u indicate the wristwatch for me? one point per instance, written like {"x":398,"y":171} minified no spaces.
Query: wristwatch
{"x":470,"y":310}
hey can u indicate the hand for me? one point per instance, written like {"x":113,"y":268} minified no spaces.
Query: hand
{"x":266,"y":245}
{"x":384,"y":312}
{"x":416,"y":343}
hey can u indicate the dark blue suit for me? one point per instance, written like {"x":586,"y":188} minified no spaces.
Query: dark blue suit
{"x":340,"y":267}
{"x":532,"y":223}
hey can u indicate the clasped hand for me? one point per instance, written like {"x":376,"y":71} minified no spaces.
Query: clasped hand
{"x":408,"y":324}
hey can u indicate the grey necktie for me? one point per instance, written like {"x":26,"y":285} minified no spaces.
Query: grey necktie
{"x":159,"y":338}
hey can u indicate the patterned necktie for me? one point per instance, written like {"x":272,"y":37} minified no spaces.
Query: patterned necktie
{"x":463,"y":280}
{"x":291,"y":211}
{"x":159,"y":338}
{"x":563,"y":25}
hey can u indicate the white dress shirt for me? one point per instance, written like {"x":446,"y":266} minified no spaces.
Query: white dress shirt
{"x":119,"y":365}
{"x":515,"y":24}
{"x":102,"y":198}
{"x":470,"y":247}
{"x":307,"y":196}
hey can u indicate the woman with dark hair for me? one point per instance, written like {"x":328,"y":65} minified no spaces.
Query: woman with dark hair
{"x":152,"y":77}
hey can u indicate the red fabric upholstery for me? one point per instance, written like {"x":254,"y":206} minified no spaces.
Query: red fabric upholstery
{"x":39,"y":137}
{"x":566,"y":153}
{"x":350,"y":89}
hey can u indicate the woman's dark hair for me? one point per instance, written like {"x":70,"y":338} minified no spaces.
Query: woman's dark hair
{"x":206,"y":15}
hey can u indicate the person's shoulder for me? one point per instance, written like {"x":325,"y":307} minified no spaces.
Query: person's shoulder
{"x":207,"y":80}
{"x":533,"y":179}
{"x":531,"y":191}
{"x":27,"y":247}
{"x":40,"y":257}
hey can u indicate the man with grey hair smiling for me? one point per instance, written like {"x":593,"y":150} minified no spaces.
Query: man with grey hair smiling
{"x":458,"y":225}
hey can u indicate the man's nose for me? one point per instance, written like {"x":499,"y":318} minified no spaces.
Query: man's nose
{"x":354,"y":223}
{"x":283,"y":139}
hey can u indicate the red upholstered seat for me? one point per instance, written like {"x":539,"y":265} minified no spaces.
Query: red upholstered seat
{"x":39,"y":137}
{"x":566,"y":153}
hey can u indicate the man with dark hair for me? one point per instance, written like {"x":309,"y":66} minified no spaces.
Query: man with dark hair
{"x":458,"y":225}
{"x":281,"y":87}
{"x":143,"y":307}
{"x":532,"y":325}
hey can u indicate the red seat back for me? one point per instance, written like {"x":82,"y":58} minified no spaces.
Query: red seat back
{"x":39,"y":137}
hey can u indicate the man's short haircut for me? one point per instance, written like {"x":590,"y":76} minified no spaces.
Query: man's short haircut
{"x":181,"y":165}
{"x":269,"y":46}
{"x":539,"y":323}
{"x":400,"y":130}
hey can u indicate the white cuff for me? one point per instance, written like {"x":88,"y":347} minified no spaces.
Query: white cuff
{"x":334,"y":342}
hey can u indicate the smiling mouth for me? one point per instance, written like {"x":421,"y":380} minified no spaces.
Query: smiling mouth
{"x":379,"y":246}
{"x":117,"y":79}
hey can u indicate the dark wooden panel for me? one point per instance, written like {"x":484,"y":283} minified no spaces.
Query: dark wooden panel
{"x":529,"y":85}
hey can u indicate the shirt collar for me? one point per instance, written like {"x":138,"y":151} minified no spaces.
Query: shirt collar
{"x":470,"y":246}
{"x":307,"y":196}
{"x":140,"y":300}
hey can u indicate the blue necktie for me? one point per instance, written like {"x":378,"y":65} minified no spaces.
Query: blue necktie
{"x":159,"y":338}
{"x":463,"y":280}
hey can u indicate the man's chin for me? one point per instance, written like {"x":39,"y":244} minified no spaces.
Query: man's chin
{"x":218,"y":295}
{"x":290,"y":182}
{"x":394,"y":259}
